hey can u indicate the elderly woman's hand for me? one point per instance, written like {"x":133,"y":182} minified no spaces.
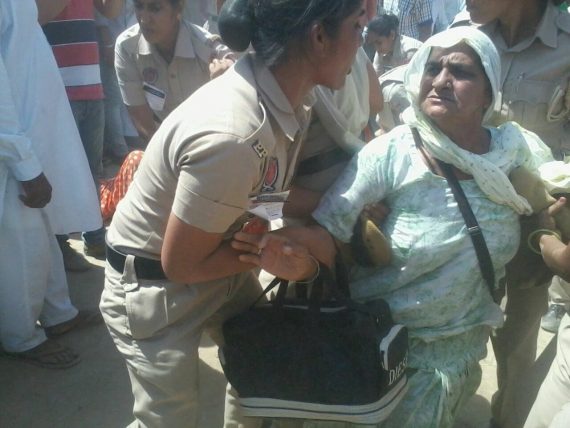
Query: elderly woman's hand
{"x":277,"y":255}
{"x":377,"y":212}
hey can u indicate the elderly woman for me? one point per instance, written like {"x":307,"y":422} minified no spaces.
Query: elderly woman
{"x":392,"y":48}
{"x":434,"y":285}
{"x":171,"y":272}
{"x":162,"y":60}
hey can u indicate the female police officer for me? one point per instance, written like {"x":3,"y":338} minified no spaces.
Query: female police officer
{"x":170,"y":271}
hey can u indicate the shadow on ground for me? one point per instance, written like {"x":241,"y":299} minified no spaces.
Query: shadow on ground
{"x":96,"y":393}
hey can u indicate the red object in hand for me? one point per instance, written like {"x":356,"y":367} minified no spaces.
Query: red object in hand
{"x":256,"y":226}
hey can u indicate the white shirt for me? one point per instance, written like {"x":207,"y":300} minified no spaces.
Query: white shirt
{"x":37,"y":129}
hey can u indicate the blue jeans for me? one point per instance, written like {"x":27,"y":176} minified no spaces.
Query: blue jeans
{"x":114,"y":142}
{"x":90,"y":119}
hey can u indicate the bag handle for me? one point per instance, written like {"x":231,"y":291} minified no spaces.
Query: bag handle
{"x":473,"y":228}
{"x":339,"y":288}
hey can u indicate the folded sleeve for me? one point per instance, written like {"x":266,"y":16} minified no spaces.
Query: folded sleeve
{"x":16,"y":149}
{"x":217,"y":177}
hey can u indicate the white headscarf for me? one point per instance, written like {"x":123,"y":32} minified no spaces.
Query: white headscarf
{"x":485,"y":170}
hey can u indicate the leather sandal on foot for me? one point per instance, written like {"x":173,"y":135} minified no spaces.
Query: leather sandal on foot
{"x":84,"y":318}
{"x":49,"y":354}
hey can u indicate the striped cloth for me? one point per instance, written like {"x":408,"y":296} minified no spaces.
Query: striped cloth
{"x":73,"y":38}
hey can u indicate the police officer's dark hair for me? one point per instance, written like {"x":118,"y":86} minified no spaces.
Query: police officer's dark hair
{"x":272,"y":26}
{"x":383,"y":25}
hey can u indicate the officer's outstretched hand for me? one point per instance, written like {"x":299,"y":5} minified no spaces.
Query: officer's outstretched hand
{"x":276,"y":254}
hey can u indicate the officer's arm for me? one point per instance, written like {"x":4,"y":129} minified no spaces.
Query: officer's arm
{"x":143,"y":120}
{"x":190,"y":255}
{"x":556,"y":255}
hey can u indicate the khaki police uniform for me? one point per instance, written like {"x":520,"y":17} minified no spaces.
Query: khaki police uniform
{"x":552,"y":405}
{"x":205,"y":171}
{"x":395,"y":98}
{"x":535,"y":77}
{"x":145,"y":77}
{"x":404,"y":49}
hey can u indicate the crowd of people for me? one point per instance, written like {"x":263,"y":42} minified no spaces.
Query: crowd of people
{"x":340,"y":108}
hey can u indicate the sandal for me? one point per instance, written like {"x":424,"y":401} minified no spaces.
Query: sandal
{"x":84,"y":318}
{"x":48,"y":354}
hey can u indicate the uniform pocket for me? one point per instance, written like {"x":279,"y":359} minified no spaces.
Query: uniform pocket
{"x":527,"y":101}
{"x":146,"y":308}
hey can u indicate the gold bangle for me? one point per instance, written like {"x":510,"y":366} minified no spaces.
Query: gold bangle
{"x":315,"y":276}
{"x":532,"y":235}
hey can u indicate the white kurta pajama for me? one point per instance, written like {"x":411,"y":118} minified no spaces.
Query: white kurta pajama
{"x":37,"y":133}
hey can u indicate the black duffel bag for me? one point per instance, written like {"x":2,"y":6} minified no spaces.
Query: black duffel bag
{"x":312,"y":358}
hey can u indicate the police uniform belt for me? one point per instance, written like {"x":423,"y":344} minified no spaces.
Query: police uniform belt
{"x":144,"y":268}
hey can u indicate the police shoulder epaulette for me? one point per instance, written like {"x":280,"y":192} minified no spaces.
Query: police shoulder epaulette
{"x":563,"y":21}
{"x":262,"y":139}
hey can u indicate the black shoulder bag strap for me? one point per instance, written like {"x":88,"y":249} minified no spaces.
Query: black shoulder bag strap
{"x":483,"y":256}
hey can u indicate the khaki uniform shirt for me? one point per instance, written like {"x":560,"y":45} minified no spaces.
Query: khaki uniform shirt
{"x":145,"y":77}
{"x":205,"y":170}
{"x":535,"y":76}
{"x":395,"y":98}
{"x":404,"y":49}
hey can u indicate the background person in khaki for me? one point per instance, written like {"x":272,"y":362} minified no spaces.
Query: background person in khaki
{"x":171,"y":272}
{"x":392,"y":48}
{"x":533,"y":40}
{"x":162,"y":60}
{"x":552,"y":406}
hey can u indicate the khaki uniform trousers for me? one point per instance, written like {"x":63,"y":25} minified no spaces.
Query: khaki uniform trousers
{"x":515,"y":347}
{"x":552,"y":405}
{"x":515,"y":343}
{"x":156,"y":326}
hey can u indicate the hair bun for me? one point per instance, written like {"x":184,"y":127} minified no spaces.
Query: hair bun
{"x":236,"y":24}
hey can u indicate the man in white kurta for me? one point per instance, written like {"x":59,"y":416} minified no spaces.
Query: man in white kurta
{"x":39,"y":143}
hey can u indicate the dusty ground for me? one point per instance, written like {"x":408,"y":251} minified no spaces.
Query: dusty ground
{"x":96,"y":393}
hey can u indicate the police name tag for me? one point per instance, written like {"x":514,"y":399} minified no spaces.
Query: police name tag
{"x":154,"y":97}
{"x":268,"y":206}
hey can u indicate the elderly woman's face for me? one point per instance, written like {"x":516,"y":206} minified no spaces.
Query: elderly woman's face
{"x":454,"y":89}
